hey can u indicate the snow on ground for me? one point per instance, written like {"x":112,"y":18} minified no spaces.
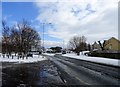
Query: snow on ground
{"x":108,"y":61}
{"x":35,"y":58}
{"x":49,"y":54}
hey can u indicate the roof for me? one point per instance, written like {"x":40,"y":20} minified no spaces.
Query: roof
{"x":114,"y":39}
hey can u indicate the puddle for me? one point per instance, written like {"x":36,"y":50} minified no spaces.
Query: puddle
{"x":49,"y":75}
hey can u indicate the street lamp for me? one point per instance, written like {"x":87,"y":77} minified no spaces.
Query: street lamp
{"x":43,"y":37}
{"x":63,"y":44}
{"x":43,"y":33}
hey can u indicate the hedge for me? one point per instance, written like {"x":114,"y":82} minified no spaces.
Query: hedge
{"x":106,"y":55}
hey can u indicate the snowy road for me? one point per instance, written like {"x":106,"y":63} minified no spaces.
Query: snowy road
{"x":76,"y":72}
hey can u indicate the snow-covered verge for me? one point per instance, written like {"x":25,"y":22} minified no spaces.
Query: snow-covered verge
{"x":35,"y":58}
{"x":49,"y":54}
{"x":108,"y":61}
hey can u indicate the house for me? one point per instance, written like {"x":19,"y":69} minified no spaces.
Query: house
{"x":112,"y":44}
{"x":96,"y":46}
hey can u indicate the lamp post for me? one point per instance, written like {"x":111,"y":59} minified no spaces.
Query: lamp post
{"x":43,"y":34}
{"x":43,"y":37}
{"x":63,"y":44}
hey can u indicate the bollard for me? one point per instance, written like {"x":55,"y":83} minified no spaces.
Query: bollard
{"x":8,"y":56}
{"x":3,"y":56}
{"x":12,"y":56}
{"x":26,"y":57}
{"x":23,"y":56}
{"x":18,"y":56}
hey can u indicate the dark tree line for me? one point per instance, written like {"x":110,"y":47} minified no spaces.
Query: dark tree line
{"x":56,"y":49}
{"x":19,"y":38}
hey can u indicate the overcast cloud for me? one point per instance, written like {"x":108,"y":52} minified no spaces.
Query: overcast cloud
{"x":95,"y":19}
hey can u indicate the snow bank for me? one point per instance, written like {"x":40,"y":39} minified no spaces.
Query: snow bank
{"x":108,"y":61}
{"x":35,"y":58}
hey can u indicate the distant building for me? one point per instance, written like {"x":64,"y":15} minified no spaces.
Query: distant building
{"x":48,"y":50}
{"x":112,"y":44}
{"x":96,"y":46}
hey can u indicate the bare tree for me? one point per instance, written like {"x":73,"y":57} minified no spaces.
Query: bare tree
{"x":5,"y":37}
{"x":89,"y":47}
{"x":102,"y":45}
{"x":24,"y":37}
{"x":78,"y":44}
{"x":19,"y":38}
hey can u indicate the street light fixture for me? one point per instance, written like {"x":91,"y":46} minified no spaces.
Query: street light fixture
{"x":43,"y":34}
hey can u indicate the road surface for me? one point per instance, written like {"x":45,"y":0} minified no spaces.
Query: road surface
{"x":79,"y":72}
{"x":57,"y":71}
{"x":37,"y":74}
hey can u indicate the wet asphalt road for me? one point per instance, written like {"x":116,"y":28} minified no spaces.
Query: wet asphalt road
{"x":30,"y":75}
{"x":87,"y":73}
{"x":58,"y":71}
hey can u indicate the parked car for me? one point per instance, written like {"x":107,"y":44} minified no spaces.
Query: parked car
{"x":29,"y":55}
{"x":63,"y":52}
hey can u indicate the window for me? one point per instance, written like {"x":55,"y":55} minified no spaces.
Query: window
{"x":110,"y":47}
